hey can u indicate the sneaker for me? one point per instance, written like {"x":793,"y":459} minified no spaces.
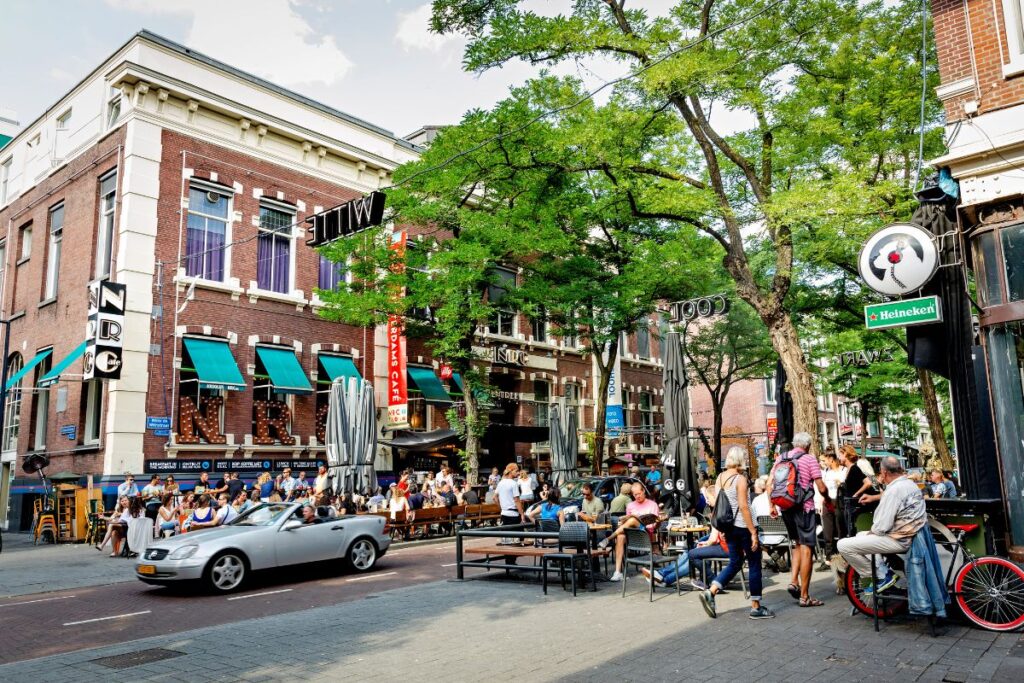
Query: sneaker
{"x":887,"y":582}
{"x":658,"y":577}
{"x":649,"y":576}
{"x":617,"y":576}
{"x":603,"y":544}
{"x":762,"y":612}
{"x":698,"y":584}
{"x":707,"y":600}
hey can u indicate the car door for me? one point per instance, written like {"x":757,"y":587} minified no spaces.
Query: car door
{"x":309,"y":542}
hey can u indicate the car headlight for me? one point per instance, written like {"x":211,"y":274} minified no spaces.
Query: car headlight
{"x":184,"y":552}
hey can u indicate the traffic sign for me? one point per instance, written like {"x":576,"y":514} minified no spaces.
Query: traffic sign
{"x":903,"y":313}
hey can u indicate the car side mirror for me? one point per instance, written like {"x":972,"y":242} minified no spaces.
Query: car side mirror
{"x":291,"y":525}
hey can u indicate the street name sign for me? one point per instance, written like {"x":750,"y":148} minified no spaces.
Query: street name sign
{"x":903,"y":313}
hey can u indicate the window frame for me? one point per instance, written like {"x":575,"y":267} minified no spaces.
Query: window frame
{"x":5,"y":179}
{"x":187,"y":367}
{"x":12,"y":407}
{"x":112,"y":111}
{"x":646,"y":419}
{"x":64,"y":119}
{"x":539,"y":324}
{"x":642,"y":352}
{"x":502,"y":316}
{"x":769,"y":390}
{"x":92,"y":418}
{"x":1013,"y":24}
{"x":542,"y":405}
{"x":41,"y":403}
{"x":54,"y":249}
{"x":228,"y":194}
{"x":25,"y":242}
{"x":106,"y":227}
{"x":276,"y":233}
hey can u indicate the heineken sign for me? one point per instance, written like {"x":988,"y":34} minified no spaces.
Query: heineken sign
{"x":903,"y":313}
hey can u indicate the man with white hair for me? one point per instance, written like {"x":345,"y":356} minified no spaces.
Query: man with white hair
{"x":899,"y":516}
{"x":801,"y":522}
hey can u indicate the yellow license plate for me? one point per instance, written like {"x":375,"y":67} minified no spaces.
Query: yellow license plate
{"x":147,"y":569}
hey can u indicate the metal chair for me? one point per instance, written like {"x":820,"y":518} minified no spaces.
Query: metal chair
{"x":640,"y":553}
{"x":547,"y":525}
{"x":774,"y":526}
{"x":576,"y":536}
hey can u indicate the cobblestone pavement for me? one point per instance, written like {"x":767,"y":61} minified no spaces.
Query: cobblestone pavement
{"x":481,"y":630}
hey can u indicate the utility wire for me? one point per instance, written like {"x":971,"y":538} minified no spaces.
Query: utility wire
{"x":924,"y":91}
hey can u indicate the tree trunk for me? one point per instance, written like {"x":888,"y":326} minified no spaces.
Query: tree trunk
{"x":472,"y":438}
{"x":799,"y":380}
{"x":716,"y":437}
{"x":931,"y":411}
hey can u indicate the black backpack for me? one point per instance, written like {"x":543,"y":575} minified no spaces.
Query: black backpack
{"x":723,"y":517}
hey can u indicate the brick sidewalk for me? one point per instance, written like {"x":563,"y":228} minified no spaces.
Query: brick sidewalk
{"x":26,"y":568}
{"x":483,"y":629}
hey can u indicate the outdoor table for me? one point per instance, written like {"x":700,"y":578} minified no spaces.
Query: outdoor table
{"x":690,"y":533}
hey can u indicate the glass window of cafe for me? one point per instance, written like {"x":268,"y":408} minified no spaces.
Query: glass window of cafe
{"x":1005,"y":354}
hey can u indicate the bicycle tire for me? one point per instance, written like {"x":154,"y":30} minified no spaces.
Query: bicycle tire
{"x":887,"y":607}
{"x":990,"y":593}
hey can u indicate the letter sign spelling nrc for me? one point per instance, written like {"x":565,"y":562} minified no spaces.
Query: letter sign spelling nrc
{"x":347,"y":219}
{"x":104,"y":331}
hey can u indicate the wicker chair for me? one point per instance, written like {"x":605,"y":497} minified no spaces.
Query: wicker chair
{"x":575,"y":536}
{"x":640,"y":553}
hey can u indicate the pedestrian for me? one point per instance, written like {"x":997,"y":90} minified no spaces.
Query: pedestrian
{"x":493,"y":480}
{"x":801,"y":522}
{"x":508,"y":495}
{"x":740,"y":536}
{"x":833,"y":476}
{"x":525,"y":488}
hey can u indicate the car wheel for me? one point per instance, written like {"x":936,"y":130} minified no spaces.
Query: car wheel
{"x":362,"y":555}
{"x":226,"y":572}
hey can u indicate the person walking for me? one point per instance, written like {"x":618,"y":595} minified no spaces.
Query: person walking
{"x":741,"y":538}
{"x":801,"y":522}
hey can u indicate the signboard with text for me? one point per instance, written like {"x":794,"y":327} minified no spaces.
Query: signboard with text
{"x":347,"y":219}
{"x":104,"y":330}
{"x":903,"y":313}
{"x":398,"y":390}
{"x":242,"y":465}
{"x":773,"y":429}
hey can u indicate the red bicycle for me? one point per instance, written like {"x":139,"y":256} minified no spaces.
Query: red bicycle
{"x":989,"y":590}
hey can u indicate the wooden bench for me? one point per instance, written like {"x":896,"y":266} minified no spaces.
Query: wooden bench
{"x":475,"y":515}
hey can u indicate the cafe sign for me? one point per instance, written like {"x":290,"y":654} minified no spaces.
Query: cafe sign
{"x":104,"y":330}
{"x":347,"y":219}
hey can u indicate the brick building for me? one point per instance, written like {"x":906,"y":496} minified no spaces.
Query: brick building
{"x":189,"y":182}
{"x":980,"y":45}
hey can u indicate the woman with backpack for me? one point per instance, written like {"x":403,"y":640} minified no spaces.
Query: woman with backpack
{"x":734,"y":519}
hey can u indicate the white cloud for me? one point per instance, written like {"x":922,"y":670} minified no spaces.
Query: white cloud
{"x":266,"y":37}
{"x":414,"y":31}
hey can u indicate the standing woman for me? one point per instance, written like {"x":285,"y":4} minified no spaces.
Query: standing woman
{"x":834,"y":475}
{"x":525,"y":488}
{"x":741,"y":537}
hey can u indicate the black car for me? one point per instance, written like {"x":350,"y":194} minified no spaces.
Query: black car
{"x":605,"y":488}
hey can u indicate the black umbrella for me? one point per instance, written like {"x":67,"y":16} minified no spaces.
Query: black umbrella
{"x":783,"y":410}
{"x":677,"y":457}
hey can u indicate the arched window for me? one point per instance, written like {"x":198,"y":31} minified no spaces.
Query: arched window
{"x":12,"y":414}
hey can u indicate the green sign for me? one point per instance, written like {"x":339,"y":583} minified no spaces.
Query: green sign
{"x":903,"y":313}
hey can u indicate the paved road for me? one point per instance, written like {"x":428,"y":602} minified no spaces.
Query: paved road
{"x":56,"y":622}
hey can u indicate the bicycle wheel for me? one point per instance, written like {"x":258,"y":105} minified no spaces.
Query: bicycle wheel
{"x":890,"y":603}
{"x":990,"y":592}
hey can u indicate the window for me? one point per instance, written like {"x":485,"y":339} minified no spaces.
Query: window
{"x":188,"y":379}
{"x":12,"y":414}
{"x":207,"y":233}
{"x":643,"y":341}
{"x":873,"y":431}
{"x":1013,"y":14}
{"x":539,"y":326}
{"x":503,"y":320}
{"x":5,"y":176}
{"x":571,"y":337}
{"x":646,"y":420}
{"x":53,"y":253}
{"x":3,"y":263}
{"x":41,"y":408}
{"x":26,"y":242}
{"x":274,"y":249}
{"x":541,"y":403}
{"x":769,"y":390}
{"x":113,"y":106}
{"x":331,"y":274}
{"x":1013,"y":257}
{"x":63,"y":120}
{"x":105,"y":234}
{"x":92,"y":411}
{"x":572,"y":400}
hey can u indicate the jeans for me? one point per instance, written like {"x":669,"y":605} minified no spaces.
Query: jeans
{"x":708,"y":552}
{"x":739,"y":540}
{"x":680,"y":568}
{"x":164,"y":526}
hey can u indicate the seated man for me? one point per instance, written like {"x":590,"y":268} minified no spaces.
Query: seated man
{"x":620,"y":501}
{"x":642,"y":512}
{"x":309,"y":515}
{"x":225,"y":512}
{"x":592,"y":505}
{"x":900,"y":515}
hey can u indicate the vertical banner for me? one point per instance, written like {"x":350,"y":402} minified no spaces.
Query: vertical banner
{"x":614,"y":418}
{"x":773,"y":430}
{"x":398,"y":390}
{"x":104,"y":330}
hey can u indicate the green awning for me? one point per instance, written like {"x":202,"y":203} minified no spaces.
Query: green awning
{"x":16,"y":377}
{"x":286,"y":374}
{"x":457,"y":381}
{"x":338,"y":367}
{"x":429,"y":385}
{"x":54,"y":374}
{"x":213,"y":362}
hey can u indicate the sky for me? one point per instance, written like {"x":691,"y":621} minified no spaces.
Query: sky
{"x":374,"y":59}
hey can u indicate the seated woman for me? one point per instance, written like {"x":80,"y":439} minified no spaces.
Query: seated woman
{"x":167,"y":515}
{"x":550,"y":509}
{"x":116,"y":521}
{"x":203,"y":515}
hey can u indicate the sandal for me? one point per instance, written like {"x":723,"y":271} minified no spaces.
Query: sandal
{"x":794,"y":590}
{"x":811,"y":602}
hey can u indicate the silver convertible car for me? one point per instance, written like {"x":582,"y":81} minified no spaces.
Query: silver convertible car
{"x":267,"y":536}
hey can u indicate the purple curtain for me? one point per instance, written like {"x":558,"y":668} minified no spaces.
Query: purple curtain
{"x":204,"y":250}
{"x":330,"y":274}
{"x":272,"y":261}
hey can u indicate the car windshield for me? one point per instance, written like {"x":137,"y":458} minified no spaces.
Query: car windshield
{"x":574,"y":488}
{"x":263,"y":515}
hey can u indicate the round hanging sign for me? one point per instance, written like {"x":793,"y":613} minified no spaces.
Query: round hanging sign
{"x":898,"y":259}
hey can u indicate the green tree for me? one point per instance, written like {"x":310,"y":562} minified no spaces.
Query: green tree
{"x":830,"y":86}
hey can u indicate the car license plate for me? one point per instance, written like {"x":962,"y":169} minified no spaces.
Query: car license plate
{"x":146,"y":569}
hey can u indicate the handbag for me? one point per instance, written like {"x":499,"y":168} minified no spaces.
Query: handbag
{"x":723,"y":518}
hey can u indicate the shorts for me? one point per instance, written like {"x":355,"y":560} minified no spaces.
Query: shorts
{"x":801,"y":525}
